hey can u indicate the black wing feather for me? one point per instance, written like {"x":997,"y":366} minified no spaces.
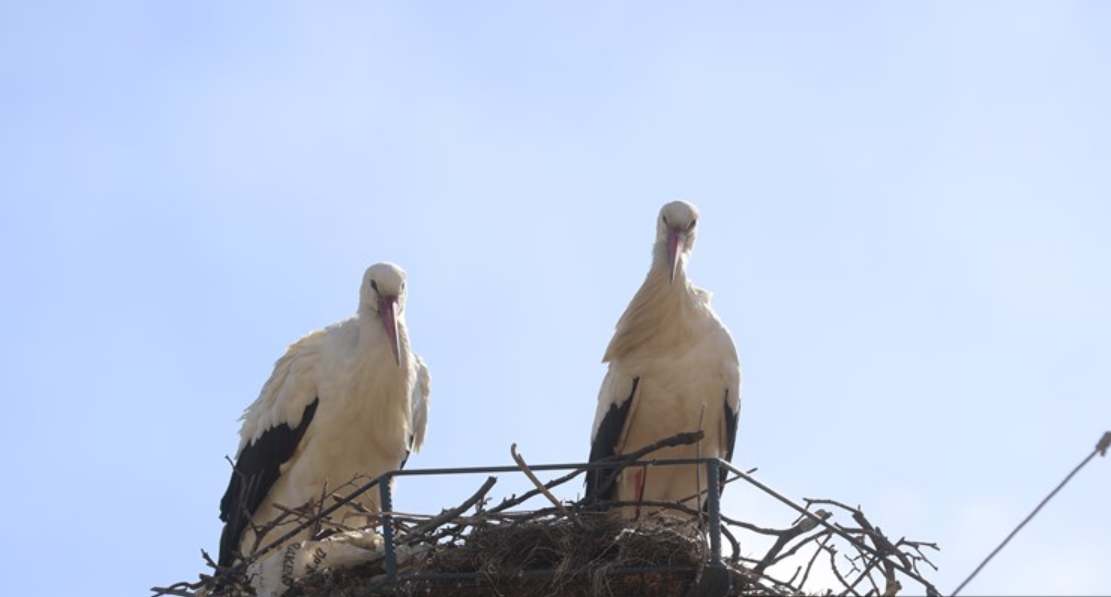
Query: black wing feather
{"x":605,"y":446}
{"x":731,"y":418}
{"x":408,"y":451}
{"x":256,"y":470}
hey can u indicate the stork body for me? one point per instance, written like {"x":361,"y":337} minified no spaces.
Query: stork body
{"x":673,"y":368}
{"x":339,"y":405}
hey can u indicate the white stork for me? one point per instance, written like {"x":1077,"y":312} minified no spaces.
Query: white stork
{"x":673,"y":368}
{"x":344,"y":401}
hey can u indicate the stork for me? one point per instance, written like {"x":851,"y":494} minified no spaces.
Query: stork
{"x":673,"y":368}
{"x":346,"y":401}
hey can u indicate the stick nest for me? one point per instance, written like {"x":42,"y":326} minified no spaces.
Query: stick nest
{"x":571,"y":549}
{"x":584,"y":549}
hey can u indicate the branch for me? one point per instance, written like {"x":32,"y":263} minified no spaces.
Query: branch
{"x":540,"y":486}
{"x":803,"y":526}
{"x":447,"y":516}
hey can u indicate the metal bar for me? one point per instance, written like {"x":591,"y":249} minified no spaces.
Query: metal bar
{"x":382,"y":586}
{"x":712,"y":475}
{"x":387,"y":528}
{"x":417,"y":472}
{"x":533,"y":573}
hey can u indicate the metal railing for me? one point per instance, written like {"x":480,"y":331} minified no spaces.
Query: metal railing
{"x":715,"y":577}
{"x":713,"y":514}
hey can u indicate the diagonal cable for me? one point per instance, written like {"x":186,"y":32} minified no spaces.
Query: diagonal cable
{"x":1101,"y":449}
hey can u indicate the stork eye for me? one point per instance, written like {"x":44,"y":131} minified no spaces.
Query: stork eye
{"x":374,"y":285}
{"x":665,"y":220}
{"x":691,"y":227}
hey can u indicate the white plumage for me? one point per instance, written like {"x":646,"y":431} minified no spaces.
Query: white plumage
{"x":418,"y":401}
{"x":672,"y":368}
{"x":346,"y":401}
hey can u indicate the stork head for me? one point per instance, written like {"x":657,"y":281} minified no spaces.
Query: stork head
{"x":383,"y":295}
{"x":675,"y":232}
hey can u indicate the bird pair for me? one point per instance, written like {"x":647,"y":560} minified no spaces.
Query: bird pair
{"x":352,"y":399}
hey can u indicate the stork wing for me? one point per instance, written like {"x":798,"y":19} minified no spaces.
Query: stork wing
{"x":730,"y":418}
{"x":615,"y":404}
{"x":272,"y":429}
{"x":418,"y":404}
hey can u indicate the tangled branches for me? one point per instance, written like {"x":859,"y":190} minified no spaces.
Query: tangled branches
{"x":874,"y":570}
{"x":584,"y":548}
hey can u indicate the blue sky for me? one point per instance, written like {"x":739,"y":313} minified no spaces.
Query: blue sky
{"x":905,"y":225}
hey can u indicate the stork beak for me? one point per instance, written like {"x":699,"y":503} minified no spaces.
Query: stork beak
{"x":675,"y":242}
{"x":387,"y":309}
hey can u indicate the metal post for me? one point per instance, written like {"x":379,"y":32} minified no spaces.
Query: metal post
{"x":714,"y":503}
{"x":715,"y":580}
{"x":387,"y":528}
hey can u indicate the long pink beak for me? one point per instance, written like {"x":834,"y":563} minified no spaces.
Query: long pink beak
{"x":675,"y":242}
{"x":387,"y":309}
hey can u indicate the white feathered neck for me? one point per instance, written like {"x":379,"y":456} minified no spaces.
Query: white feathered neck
{"x":662,"y":313}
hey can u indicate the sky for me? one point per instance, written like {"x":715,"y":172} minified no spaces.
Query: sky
{"x":905,"y":213}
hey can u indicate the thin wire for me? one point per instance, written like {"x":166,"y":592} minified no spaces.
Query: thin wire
{"x":1101,"y":448}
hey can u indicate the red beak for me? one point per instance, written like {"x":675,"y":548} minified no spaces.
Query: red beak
{"x":675,"y":242}
{"x":387,"y":309}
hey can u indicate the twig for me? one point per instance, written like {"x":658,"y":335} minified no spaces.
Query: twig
{"x":732,"y":542}
{"x":320,"y":520}
{"x":260,"y":531}
{"x":181,"y":589}
{"x":540,"y":486}
{"x":246,"y":561}
{"x":883,"y":545}
{"x":749,"y":526}
{"x":837,"y":573}
{"x":798,"y":546}
{"x":862,"y":547}
{"x":448,"y":515}
{"x":813,"y":558}
{"x":803,"y":526}
{"x":172,"y":590}
{"x":921,"y":557}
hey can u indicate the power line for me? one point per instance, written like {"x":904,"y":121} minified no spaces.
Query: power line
{"x":1101,"y":449}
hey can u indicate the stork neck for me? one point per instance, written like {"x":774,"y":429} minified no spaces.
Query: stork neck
{"x":373,"y":338}
{"x":372,"y":329}
{"x":657,"y":313}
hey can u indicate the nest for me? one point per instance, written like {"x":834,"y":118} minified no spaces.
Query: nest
{"x":568,"y":553}
{"x":582,"y":549}
{"x":551,"y":555}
